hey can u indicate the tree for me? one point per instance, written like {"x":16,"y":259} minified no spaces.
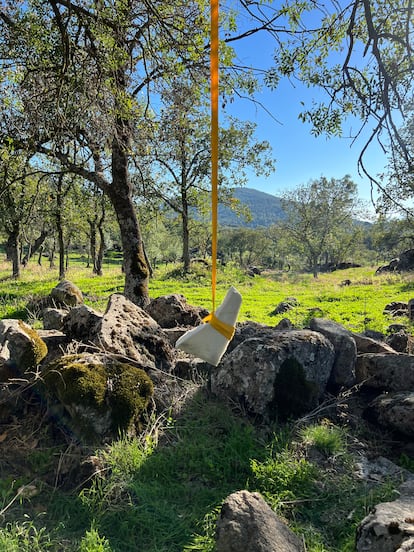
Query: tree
{"x":315,"y":213}
{"x":95,"y":67}
{"x":23,"y":196}
{"x":179,"y":155}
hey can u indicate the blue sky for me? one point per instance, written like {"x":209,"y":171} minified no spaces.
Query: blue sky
{"x":300,"y":156}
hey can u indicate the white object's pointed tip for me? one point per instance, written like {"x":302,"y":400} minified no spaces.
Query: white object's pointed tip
{"x":206,"y":342}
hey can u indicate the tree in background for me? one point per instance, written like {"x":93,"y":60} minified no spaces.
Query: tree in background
{"x":94,"y":68}
{"x":360,"y":54}
{"x":179,"y":156}
{"x":315,"y":214}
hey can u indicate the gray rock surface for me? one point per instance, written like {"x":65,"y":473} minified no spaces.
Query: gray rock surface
{"x":173,"y":310}
{"x":250,"y":372}
{"x":81,"y":322}
{"x":247,"y":523}
{"x":127,"y":330}
{"x":394,"y":411}
{"x":386,"y":371}
{"x":53,"y":318}
{"x":66,"y":293}
{"x":390,"y":526}
{"x":343,"y":371}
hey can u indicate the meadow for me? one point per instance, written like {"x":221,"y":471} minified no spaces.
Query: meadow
{"x":358,"y":306}
{"x":161,"y":491}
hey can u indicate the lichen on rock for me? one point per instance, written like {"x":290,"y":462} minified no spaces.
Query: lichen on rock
{"x":103,"y":397}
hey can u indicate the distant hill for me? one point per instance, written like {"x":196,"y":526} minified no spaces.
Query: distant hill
{"x":265,"y":209}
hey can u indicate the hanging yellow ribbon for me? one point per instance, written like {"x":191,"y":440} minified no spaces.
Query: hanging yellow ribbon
{"x":214,"y":92}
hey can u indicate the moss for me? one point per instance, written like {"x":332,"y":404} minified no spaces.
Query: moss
{"x":36,"y":352}
{"x":131,"y":392}
{"x":293,"y":394}
{"x":100,"y":398}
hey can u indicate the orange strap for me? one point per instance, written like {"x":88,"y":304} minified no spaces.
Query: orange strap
{"x":220,"y":326}
{"x":214,"y":91}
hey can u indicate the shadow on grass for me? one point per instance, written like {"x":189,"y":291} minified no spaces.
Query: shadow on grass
{"x":159,"y":503}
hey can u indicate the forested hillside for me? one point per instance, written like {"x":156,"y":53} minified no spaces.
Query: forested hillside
{"x":265,"y":209}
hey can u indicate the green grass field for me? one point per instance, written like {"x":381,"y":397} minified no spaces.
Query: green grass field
{"x":161,"y":492}
{"x":358,"y":306}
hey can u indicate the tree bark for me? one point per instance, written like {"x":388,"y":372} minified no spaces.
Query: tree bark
{"x":12,"y":248}
{"x":120,"y":193}
{"x":37,"y":245}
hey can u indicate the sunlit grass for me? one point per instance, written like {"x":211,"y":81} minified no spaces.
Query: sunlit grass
{"x":358,"y":306}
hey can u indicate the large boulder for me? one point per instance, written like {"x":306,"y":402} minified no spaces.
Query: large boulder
{"x":173,"y":310}
{"x":394,"y":411}
{"x":67,"y":294}
{"x":127,"y":330}
{"x":367,"y":344}
{"x":21,"y":348}
{"x":247,"y":523}
{"x":386,"y":371}
{"x":390,"y":526}
{"x":282,"y":373}
{"x":53,"y":318}
{"x":81,"y":322}
{"x":103,"y":397}
{"x":343,"y":371}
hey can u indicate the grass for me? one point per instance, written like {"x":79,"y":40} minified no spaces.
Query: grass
{"x":162,"y":492}
{"x":358,"y":306}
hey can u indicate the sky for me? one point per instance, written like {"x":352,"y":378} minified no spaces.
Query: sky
{"x":299,"y":155}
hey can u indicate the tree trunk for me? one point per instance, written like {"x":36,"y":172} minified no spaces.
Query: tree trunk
{"x":12,"y":249}
{"x":92,"y":244}
{"x":135,"y":267}
{"x":37,"y":245}
{"x":186,"y":241}
{"x":101,"y":251}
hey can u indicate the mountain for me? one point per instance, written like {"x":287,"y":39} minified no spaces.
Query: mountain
{"x":265,"y":209}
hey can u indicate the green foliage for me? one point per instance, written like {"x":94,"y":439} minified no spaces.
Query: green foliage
{"x":284,"y":479}
{"x":325,"y":437}
{"x":92,"y":542}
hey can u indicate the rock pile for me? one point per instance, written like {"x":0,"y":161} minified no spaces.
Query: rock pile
{"x":102,"y":370}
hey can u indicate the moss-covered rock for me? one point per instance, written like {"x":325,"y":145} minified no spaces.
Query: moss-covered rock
{"x":103,"y":397}
{"x":21,"y":347}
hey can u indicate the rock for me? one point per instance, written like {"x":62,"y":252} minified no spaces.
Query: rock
{"x":365,"y":344}
{"x":284,"y":324}
{"x":127,"y":330}
{"x":343,"y":371}
{"x":247,"y":523}
{"x":102,"y":396}
{"x":173,"y":310}
{"x":284,"y":306}
{"x":56,"y":342}
{"x":400,"y":341}
{"x":247,"y":330}
{"x":21,"y":347}
{"x":386,"y":371}
{"x":395,"y":308}
{"x":280,"y":372}
{"x":380,"y":470}
{"x":393,"y":411}
{"x":390,"y":526}
{"x":66,"y":293}
{"x":81,"y":323}
{"x":53,"y":318}
{"x":373,"y":334}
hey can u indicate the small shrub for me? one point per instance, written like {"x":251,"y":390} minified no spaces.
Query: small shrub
{"x":325,"y":437}
{"x":92,"y":542}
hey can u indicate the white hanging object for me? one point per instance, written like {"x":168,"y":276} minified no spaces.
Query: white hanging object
{"x":209,"y":341}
